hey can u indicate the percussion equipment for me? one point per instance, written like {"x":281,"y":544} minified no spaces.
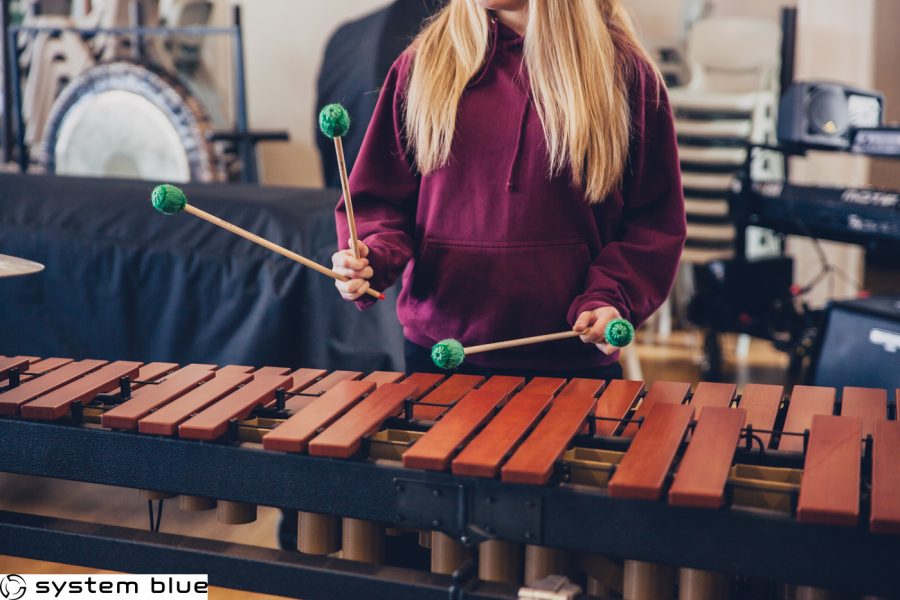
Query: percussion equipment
{"x":11,"y":266}
{"x":113,"y":119}
{"x":615,"y":485}
{"x":123,"y":119}
{"x":51,"y":62}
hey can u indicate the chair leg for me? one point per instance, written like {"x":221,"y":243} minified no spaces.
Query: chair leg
{"x":631,"y":363}
{"x":664,"y":324}
{"x":743,"y":347}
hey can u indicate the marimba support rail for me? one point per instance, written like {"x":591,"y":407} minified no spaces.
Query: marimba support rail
{"x":235,"y":566}
{"x":533,"y":476}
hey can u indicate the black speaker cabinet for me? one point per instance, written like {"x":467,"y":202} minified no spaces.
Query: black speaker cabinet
{"x":729,"y":293}
{"x":860,"y":345}
{"x":823,"y":115}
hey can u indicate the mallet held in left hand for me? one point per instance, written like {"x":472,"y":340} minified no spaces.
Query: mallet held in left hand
{"x":169,"y":199}
{"x":334,"y":121}
{"x":450,"y":354}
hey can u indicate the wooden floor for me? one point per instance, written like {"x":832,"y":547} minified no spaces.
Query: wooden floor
{"x":678,"y":358}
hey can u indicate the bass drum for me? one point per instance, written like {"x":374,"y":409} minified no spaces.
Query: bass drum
{"x":127,"y":120}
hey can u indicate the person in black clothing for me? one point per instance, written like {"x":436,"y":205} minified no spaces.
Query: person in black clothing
{"x":357,"y":60}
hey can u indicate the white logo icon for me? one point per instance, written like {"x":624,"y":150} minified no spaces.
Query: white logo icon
{"x":888,"y":339}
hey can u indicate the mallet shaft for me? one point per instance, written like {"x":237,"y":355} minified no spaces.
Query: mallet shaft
{"x":537,"y":339}
{"x":271,"y":246}
{"x":348,"y":202}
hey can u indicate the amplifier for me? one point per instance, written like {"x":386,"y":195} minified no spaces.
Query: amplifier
{"x":860,"y":344}
{"x":814,"y":114}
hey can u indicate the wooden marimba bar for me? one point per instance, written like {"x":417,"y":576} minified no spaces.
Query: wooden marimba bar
{"x":702,"y":450}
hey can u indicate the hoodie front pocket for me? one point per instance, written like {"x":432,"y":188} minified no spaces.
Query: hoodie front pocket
{"x":503,"y":289}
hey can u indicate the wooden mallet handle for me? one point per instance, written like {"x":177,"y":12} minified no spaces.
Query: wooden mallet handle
{"x":348,"y":201}
{"x":272,"y":246}
{"x":537,"y":339}
{"x":618,"y":333}
{"x":334,"y":122}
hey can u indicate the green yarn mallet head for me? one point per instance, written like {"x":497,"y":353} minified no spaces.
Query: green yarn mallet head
{"x":168,"y":199}
{"x":448,"y":354}
{"x":619,"y":333}
{"x":334,"y":120}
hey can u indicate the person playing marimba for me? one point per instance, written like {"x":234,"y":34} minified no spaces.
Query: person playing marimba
{"x":521,"y":173}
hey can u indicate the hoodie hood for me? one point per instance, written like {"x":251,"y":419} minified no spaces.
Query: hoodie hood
{"x":509,"y":45}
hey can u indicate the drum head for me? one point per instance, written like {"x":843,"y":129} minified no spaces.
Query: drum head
{"x":126,"y":120}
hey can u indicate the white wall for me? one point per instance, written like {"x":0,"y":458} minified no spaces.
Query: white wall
{"x":763,"y":9}
{"x":659,"y":20}
{"x":284,"y":44}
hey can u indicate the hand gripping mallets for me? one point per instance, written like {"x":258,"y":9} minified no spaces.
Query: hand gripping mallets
{"x":170,"y":200}
{"x":450,"y":354}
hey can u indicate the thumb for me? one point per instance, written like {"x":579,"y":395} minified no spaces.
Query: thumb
{"x":584,"y":321}
{"x":363,"y":249}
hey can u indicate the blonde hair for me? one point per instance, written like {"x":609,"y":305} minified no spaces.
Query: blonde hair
{"x":579,"y":55}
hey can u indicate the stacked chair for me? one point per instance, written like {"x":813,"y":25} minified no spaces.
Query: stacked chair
{"x":731,"y":99}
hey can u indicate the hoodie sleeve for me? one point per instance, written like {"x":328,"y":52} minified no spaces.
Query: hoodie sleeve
{"x":634,"y":272}
{"x":384,"y":187}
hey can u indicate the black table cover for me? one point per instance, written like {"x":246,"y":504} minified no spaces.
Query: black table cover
{"x":125,"y":282}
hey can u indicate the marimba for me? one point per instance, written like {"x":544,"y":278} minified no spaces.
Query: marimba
{"x":624,"y":488}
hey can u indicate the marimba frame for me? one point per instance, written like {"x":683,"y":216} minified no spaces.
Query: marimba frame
{"x":573,"y":512}
{"x":768,"y":545}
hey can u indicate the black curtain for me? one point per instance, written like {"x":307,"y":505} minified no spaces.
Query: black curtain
{"x":357,"y":59}
{"x":125,"y":282}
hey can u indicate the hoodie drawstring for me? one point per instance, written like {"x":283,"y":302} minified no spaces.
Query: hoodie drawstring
{"x":494,"y":43}
{"x":510,"y":183}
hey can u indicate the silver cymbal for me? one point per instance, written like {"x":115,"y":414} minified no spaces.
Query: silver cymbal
{"x":10,"y":266}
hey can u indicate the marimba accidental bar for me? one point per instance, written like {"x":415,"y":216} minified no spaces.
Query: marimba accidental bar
{"x":450,"y":458}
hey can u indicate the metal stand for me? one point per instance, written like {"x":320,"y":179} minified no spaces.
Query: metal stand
{"x":752,"y":543}
{"x":13,"y":121}
{"x":235,"y":566}
{"x":5,"y":24}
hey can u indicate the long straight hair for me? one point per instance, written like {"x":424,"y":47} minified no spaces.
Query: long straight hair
{"x":579,"y":55}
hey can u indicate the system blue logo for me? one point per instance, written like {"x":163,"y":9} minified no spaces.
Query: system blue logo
{"x":12,"y":587}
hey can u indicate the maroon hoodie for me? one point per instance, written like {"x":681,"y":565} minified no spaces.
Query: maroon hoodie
{"x":491,"y":246}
